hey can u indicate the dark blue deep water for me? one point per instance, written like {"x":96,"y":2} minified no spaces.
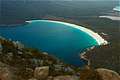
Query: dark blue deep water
{"x":60,"y":40}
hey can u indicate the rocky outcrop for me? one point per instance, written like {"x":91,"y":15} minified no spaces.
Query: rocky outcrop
{"x":30,"y":63}
{"x":98,"y":74}
{"x":108,"y":74}
{"x":8,"y":72}
{"x":5,"y":73}
{"x":67,"y":77}
{"x":105,"y":57}
{"x":89,"y":74}
{"x":41,"y":73}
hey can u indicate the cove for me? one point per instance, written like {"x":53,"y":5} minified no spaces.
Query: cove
{"x":63,"y":40}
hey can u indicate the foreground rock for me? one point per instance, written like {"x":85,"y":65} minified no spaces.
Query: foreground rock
{"x":41,"y":73}
{"x":5,"y":73}
{"x":108,"y":74}
{"x":30,"y":63}
{"x":89,"y":74}
{"x":105,"y":57}
{"x":68,"y":77}
{"x":98,"y":74}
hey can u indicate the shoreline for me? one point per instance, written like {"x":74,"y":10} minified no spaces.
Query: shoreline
{"x":117,"y":8}
{"x":116,"y":18}
{"x":96,"y":36}
{"x":91,"y":33}
{"x":83,"y":55}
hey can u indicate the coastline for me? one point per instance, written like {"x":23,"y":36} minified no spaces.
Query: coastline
{"x":117,"y":8}
{"x":94,"y":35}
{"x":114,"y":16}
{"x":117,"y":18}
{"x":84,"y":55}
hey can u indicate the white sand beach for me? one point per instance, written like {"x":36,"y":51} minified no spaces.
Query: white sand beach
{"x":96,"y":36}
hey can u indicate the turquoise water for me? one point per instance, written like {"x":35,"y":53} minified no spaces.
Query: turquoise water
{"x":60,"y":40}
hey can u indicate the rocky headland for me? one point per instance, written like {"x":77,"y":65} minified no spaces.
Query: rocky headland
{"x":105,"y":56}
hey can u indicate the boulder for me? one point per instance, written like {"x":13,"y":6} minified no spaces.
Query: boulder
{"x":5,"y":73}
{"x":89,"y":74}
{"x":50,"y":78}
{"x":67,"y":77}
{"x":32,"y":79}
{"x":41,"y":73}
{"x":108,"y":74}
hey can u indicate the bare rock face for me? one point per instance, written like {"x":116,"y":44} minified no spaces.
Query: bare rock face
{"x":108,"y":74}
{"x":89,"y":74}
{"x":5,"y":73}
{"x":32,"y":79}
{"x":41,"y":73}
{"x":105,"y":57}
{"x":66,"y":78}
{"x":98,"y":74}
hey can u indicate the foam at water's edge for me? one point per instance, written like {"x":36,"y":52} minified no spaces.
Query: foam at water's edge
{"x":96,"y":36}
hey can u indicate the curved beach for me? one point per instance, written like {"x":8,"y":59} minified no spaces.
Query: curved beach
{"x":96,"y":36}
